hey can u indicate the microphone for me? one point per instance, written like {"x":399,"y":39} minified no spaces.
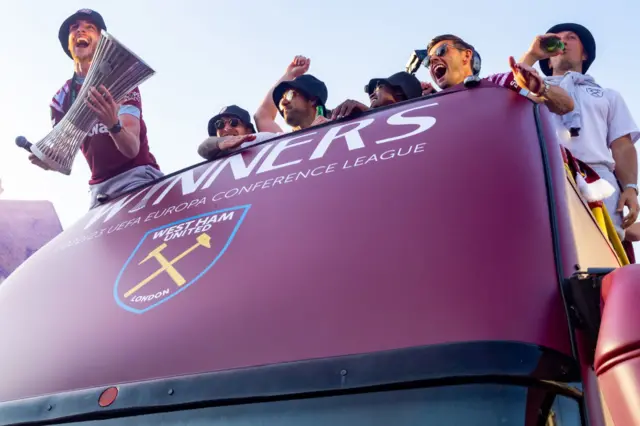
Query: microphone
{"x":415,"y":60}
{"x":22,"y":142}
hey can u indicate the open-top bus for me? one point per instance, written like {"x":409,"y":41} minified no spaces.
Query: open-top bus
{"x":431,"y":262}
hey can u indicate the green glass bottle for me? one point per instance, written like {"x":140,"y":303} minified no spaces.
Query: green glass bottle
{"x":551,"y":44}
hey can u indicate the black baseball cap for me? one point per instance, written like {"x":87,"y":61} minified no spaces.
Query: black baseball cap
{"x":84,"y":14}
{"x":406,"y":82}
{"x":586,"y":38}
{"x":230,"y":111}
{"x":306,"y":84}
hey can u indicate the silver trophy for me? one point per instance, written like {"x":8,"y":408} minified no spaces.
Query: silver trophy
{"x":120,"y":71}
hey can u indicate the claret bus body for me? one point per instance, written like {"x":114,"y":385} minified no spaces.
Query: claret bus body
{"x":427,"y":263}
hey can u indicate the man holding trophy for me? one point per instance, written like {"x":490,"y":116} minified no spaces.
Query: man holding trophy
{"x":116,"y":147}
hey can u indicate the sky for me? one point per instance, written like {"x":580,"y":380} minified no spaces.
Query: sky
{"x":211,"y":54}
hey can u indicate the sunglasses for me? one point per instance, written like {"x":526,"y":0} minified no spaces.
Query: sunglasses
{"x":379,"y":85}
{"x":440,"y":52}
{"x":234,"y":122}
{"x":288,"y":96}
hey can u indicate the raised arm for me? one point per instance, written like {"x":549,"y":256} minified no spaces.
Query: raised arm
{"x":536,"y":53}
{"x":265,"y":115}
{"x":555,"y":98}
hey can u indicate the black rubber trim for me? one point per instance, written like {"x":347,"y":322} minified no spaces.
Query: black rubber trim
{"x":555,"y":233}
{"x":585,"y":294}
{"x":485,"y":361}
{"x":564,"y":288}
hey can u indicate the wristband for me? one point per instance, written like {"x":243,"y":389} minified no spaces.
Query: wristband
{"x":116,"y":128}
{"x":632,"y":186}
{"x":545,"y":89}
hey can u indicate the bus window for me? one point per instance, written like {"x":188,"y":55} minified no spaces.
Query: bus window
{"x":459,"y":405}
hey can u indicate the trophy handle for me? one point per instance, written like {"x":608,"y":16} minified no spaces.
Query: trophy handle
{"x":49,"y":161}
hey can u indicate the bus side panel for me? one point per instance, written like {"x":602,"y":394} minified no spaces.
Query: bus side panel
{"x":427,"y":224}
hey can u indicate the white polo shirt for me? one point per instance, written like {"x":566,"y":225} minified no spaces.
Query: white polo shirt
{"x":605,"y":118}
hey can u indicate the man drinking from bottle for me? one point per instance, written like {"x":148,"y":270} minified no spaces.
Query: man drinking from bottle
{"x":116,"y":149}
{"x":600,"y":131}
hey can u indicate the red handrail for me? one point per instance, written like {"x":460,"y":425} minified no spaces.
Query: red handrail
{"x":617,"y":360}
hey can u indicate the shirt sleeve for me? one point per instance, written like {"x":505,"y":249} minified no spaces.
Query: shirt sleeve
{"x":507,"y":81}
{"x":261,"y":137}
{"x":130,"y":109}
{"x":56,"y":116}
{"x":56,"y":105}
{"x":619,"y":119}
{"x":131,"y":104}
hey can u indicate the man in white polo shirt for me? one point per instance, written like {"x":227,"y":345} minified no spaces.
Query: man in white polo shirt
{"x":600,"y":130}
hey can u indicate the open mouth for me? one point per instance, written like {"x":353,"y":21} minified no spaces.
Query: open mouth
{"x":438,"y":71}
{"x":82,"y":42}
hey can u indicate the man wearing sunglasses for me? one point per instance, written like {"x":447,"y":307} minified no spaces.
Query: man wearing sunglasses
{"x":229,"y":129}
{"x":231,"y":121}
{"x":399,"y":87}
{"x":300,"y":99}
{"x":451,"y":60}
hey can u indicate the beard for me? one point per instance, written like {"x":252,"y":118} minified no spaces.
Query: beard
{"x":84,"y":53}
{"x":563,"y":64}
{"x":294,"y":118}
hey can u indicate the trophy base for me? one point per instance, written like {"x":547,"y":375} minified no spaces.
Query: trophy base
{"x":49,"y":162}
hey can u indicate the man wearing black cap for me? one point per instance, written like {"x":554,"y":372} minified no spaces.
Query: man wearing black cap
{"x":116,"y":149}
{"x":300,"y":98}
{"x":231,"y":121}
{"x":600,"y":131}
{"x":229,"y":129}
{"x":399,"y":87}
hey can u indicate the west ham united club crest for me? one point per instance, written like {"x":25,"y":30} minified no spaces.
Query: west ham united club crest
{"x":171,"y":258}
{"x":596,"y":92}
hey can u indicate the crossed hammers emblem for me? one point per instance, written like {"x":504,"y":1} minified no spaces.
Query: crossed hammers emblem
{"x":166,"y":265}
